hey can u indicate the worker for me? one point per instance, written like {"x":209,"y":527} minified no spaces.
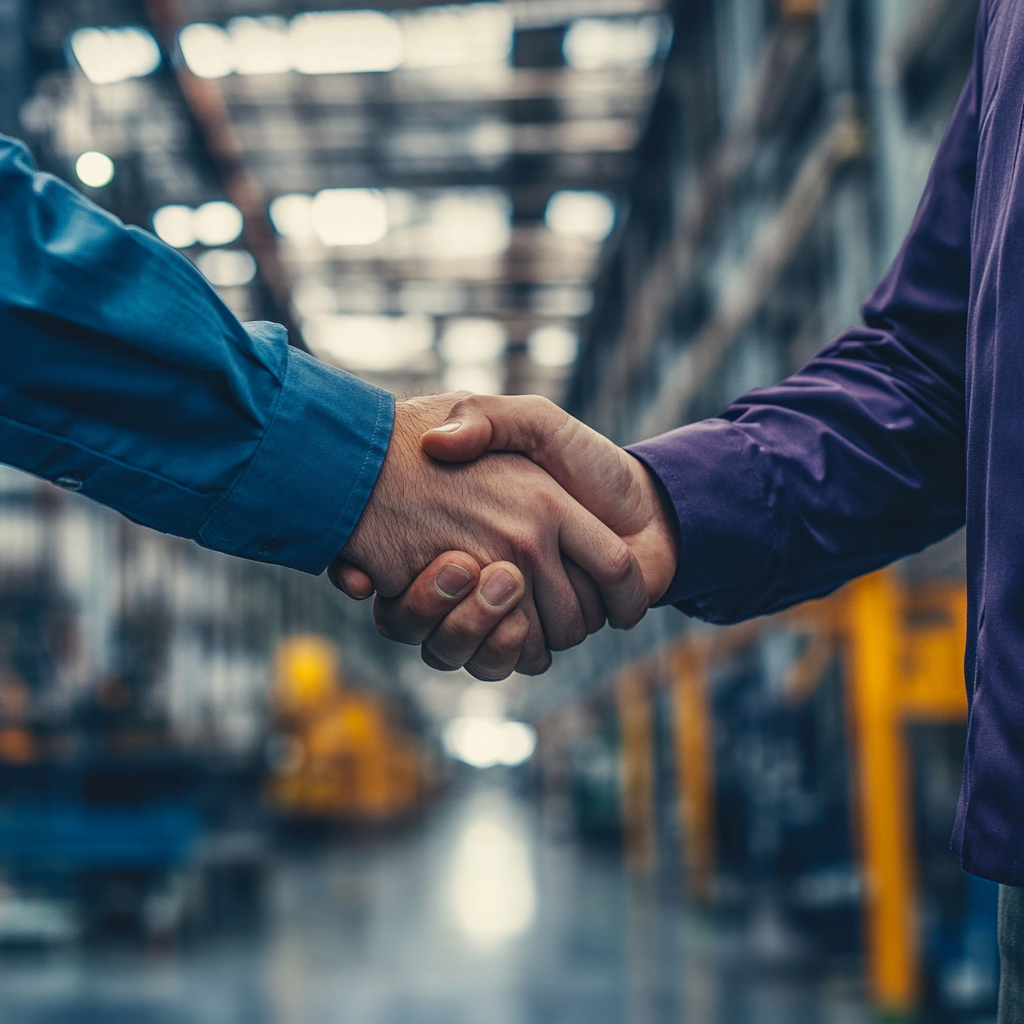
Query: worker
{"x":124,"y":377}
{"x":895,"y":435}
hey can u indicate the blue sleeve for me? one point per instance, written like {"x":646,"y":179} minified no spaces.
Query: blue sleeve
{"x":858,"y":458}
{"x":124,"y":376}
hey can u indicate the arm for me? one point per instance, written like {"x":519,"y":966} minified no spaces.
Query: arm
{"x":122,"y":374}
{"x":855,"y":460}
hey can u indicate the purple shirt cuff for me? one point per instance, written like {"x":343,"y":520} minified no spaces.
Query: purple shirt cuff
{"x":712,"y":473}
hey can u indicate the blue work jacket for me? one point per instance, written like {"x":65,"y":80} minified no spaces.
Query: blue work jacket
{"x":892,"y":436}
{"x":124,"y":376}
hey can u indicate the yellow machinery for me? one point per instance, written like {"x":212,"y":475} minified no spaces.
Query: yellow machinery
{"x":337,"y":754}
{"x":904,"y":664}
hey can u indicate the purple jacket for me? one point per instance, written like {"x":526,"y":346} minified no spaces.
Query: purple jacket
{"x":892,"y":436}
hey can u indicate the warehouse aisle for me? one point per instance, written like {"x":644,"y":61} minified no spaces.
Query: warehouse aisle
{"x":477,"y":918}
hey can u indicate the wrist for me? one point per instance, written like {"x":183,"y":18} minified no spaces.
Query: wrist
{"x":657,"y":548}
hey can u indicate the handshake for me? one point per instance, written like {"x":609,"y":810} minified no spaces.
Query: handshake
{"x":501,"y":529}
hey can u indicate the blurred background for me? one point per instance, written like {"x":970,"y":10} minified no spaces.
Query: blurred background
{"x":223,"y":798}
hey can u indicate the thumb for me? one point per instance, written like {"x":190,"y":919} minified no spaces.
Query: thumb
{"x":349,"y":579}
{"x":592,"y":469}
{"x":464,"y":436}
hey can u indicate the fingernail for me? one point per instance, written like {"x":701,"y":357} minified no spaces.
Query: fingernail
{"x":452,"y":580}
{"x":498,"y":588}
{"x":447,"y":428}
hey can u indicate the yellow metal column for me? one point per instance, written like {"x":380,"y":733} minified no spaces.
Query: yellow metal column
{"x":636,"y":732}
{"x":876,"y":631}
{"x":694,"y":768}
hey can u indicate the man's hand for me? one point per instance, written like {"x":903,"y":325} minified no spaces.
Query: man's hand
{"x":597,"y":473}
{"x":498,"y":508}
{"x":601,"y":476}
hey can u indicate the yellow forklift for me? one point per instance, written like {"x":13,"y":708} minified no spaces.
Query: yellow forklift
{"x":338,"y":754}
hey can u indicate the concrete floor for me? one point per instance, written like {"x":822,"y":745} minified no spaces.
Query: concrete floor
{"x":479,"y":917}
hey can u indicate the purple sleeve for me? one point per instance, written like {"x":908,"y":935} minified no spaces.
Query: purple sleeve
{"x":856,"y":459}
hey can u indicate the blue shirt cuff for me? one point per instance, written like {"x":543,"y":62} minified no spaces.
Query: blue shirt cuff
{"x":299,"y":498}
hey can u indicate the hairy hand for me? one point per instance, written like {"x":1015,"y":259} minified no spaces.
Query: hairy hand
{"x":601,"y":476}
{"x":498,"y":508}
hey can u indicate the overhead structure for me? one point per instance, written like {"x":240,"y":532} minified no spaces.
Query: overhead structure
{"x":399,"y":177}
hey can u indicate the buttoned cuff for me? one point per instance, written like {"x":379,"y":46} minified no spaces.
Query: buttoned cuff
{"x":302,"y":493}
{"x":713,"y":475}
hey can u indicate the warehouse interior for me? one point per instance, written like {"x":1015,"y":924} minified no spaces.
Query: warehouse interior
{"x":224,"y":799}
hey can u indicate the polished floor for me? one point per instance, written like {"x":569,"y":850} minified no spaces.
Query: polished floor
{"x":479,"y":917}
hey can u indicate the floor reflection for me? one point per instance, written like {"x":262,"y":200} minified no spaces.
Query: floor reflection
{"x":479,"y":917}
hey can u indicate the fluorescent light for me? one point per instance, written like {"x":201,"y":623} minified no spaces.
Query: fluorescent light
{"x":350,"y":216}
{"x":481,"y":380}
{"x":175,"y":225}
{"x":115,"y":54}
{"x":469,"y":222}
{"x":592,"y":44}
{"x":552,"y":346}
{"x":486,"y":742}
{"x":94,"y":169}
{"x":472,"y":341}
{"x":371,"y":343}
{"x":206,"y":50}
{"x":586,"y":215}
{"x":227,"y":268}
{"x":292,"y":216}
{"x":333,"y":42}
{"x":218,"y":223}
{"x":260,"y":46}
{"x":457,"y":35}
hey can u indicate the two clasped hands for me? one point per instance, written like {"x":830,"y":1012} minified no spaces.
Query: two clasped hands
{"x":501,"y":529}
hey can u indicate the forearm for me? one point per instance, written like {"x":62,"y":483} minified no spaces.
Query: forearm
{"x":798,"y":488}
{"x":857,"y":459}
{"x":122,"y":374}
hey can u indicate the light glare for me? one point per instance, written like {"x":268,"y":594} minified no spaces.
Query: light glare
{"x":350,"y":216}
{"x":372,"y":343}
{"x":486,"y":742}
{"x":333,"y":42}
{"x":472,"y":341}
{"x":259,"y":46}
{"x":206,"y":50}
{"x":227,"y":268}
{"x":292,"y":216}
{"x":218,"y":223}
{"x":552,"y":346}
{"x":592,"y":44}
{"x":494,"y":895}
{"x":109,"y":55}
{"x":457,"y":35}
{"x":94,"y":169}
{"x":586,"y":215}
{"x":470,"y":222}
{"x":175,"y":226}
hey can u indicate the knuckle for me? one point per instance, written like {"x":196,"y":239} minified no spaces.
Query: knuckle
{"x":620,"y":565}
{"x":487,"y":675}
{"x":432,"y":661}
{"x":572,"y":635}
{"x":396,"y":627}
{"x":535,"y":665}
{"x":527,"y":547}
{"x":380,"y":620}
